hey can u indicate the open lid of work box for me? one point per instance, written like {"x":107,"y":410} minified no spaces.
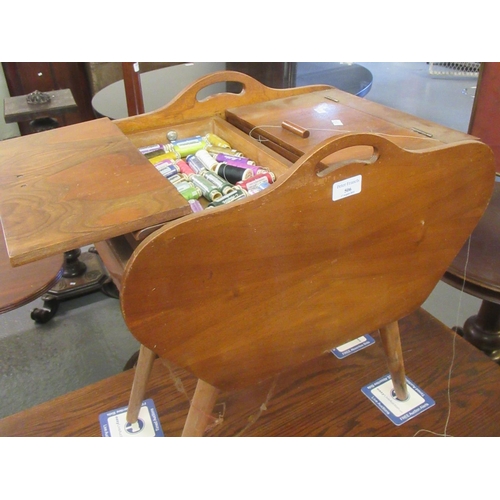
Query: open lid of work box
{"x":77,"y":185}
{"x":85,"y":183}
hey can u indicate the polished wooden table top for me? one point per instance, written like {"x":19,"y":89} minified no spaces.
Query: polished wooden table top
{"x":319,"y":398}
{"x":21,"y":285}
{"x":158,"y":88}
{"x":349,"y":77}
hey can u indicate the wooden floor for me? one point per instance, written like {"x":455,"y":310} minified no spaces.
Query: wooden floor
{"x":321,"y":398}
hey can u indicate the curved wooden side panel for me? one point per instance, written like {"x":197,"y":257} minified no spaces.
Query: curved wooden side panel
{"x":186,"y":106}
{"x":239,"y":293}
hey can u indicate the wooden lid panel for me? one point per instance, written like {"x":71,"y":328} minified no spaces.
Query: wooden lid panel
{"x":76,"y":185}
{"x":330,"y":113}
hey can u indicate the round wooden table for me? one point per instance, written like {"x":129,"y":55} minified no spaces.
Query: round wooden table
{"x":21,"y":285}
{"x":160,"y":86}
{"x":349,"y":77}
{"x":476,"y":269}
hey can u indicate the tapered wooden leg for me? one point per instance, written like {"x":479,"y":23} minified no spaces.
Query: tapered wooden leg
{"x":142,"y":372}
{"x":205,"y":396}
{"x":391,"y":343}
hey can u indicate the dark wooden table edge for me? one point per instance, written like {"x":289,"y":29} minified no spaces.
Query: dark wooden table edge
{"x":475,"y":395}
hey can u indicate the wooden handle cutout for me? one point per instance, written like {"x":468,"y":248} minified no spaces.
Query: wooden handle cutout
{"x":364,"y":155}
{"x":219,"y":88}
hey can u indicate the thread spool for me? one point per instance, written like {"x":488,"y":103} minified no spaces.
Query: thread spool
{"x":208,"y":190}
{"x":216,"y":150}
{"x":169,"y":155}
{"x":195,"y":205}
{"x":222,"y":185}
{"x":195,"y":164}
{"x":174,"y":179}
{"x":233,"y":174}
{"x":207,"y":159}
{"x":188,"y":190}
{"x":269,"y":177}
{"x":255,"y":169}
{"x":184,"y":167}
{"x":152,"y":149}
{"x":217,"y":141}
{"x":167,"y":170}
{"x":228,"y":198}
{"x":234,"y":160}
{"x":190,"y":145}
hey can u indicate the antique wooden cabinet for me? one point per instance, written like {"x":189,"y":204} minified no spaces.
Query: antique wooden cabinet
{"x":369,"y":207}
{"x":26,"y":77}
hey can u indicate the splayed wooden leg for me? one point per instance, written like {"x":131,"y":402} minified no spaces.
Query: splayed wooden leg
{"x":391,"y":343}
{"x":200,"y":410}
{"x":142,"y":372}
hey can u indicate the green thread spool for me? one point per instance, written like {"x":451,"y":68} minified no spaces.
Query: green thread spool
{"x":208,"y":190}
{"x":238,"y":194}
{"x":188,"y":190}
{"x":222,"y":185}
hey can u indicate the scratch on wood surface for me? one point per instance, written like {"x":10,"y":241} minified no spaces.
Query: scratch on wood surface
{"x":263,"y":407}
{"x":177,"y":380}
{"x":217,"y":420}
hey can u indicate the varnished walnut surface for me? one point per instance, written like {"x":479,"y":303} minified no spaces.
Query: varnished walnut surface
{"x":81,"y":184}
{"x":76,"y":185}
{"x":263,"y":284}
{"x":332,"y":112}
{"x":320,"y":398}
{"x":187,"y":106}
{"x":21,"y":285}
{"x":69,"y":187}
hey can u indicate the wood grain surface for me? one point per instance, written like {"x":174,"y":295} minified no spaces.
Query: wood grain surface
{"x":187,"y":106}
{"x":319,"y":398}
{"x":21,"y":285}
{"x":77,"y":185}
{"x":332,"y":112}
{"x":253,"y":288}
{"x":17,"y":108}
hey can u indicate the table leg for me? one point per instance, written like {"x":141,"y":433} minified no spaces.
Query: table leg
{"x":483,"y":330}
{"x":82,"y":274}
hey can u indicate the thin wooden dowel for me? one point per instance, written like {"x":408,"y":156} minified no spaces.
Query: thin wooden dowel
{"x":391,"y":343}
{"x":142,"y":372}
{"x":205,"y":396}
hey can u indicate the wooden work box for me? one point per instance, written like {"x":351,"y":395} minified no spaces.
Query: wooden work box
{"x":93,"y":172}
{"x":238,"y":294}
